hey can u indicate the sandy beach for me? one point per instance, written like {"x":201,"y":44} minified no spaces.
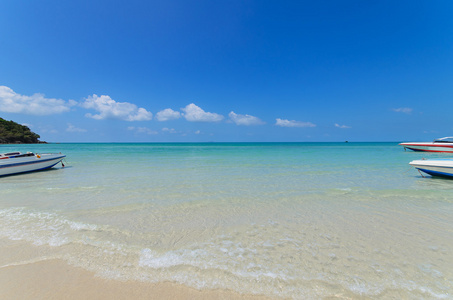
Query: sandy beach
{"x":35,"y":277}
{"x":54,"y":279}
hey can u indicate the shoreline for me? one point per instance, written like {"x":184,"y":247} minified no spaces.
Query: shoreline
{"x":55,"y":279}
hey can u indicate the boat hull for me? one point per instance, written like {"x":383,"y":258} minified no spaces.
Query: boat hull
{"x":429,"y":147}
{"x":29,"y":164}
{"x":435,"y":167}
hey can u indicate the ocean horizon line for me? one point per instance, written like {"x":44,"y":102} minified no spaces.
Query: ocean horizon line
{"x":305,"y":142}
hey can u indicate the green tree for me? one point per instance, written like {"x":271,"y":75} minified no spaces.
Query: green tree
{"x":14,"y":133}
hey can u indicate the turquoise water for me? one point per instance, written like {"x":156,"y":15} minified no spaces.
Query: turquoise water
{"x":290,"y":220}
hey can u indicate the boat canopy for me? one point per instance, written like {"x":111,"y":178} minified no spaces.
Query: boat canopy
{"x":9,"y":154}
{"x":447,"y":139}
{"x":15,"y":154}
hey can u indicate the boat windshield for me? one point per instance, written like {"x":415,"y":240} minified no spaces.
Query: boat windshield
{"x":10,"y":154}
{"x":16,"y":154}
{"x":448,"y":139}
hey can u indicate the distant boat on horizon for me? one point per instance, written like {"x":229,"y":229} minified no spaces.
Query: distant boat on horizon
{"x":444,"y":144}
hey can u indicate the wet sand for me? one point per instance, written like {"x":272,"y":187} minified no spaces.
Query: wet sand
{"x":26,"y":272}
{"x":54,"y":279}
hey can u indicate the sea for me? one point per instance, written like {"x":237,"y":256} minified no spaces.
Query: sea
{"x":284,"y":220}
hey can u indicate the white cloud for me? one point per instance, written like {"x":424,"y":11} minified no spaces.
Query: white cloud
{"x":292,"y":123}
{"x":194,"y":113}
{"x":169,"y":130}
{"x":342,"y":126}
{"x":72,"y":128}
{"x":110,"y":109}
{"x":36,"y":104}
{"x":405,"y":110}
{"x":144,"y":130}
{"x":168,"y":114}
{"x":244,"y":119}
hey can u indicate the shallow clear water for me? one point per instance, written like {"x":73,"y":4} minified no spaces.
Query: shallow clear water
{"x":296,"y":220}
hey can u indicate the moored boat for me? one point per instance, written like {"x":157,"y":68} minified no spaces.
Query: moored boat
{"x":439,"y":145}
{"x":434,"y":167}
{"x":17,"y":162}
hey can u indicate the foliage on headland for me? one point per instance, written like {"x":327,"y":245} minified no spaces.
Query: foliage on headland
{"x":14,"y":133}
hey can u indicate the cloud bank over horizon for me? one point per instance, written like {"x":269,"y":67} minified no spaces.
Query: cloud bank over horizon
{"x":103,"y":107}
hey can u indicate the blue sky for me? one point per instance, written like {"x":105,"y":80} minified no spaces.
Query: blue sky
{"x":197,"y":71}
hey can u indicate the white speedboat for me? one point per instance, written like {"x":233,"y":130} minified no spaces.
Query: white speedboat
{"x":439,"y":145}
{"x":17,"y":162}
{"x":434,"y":167}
